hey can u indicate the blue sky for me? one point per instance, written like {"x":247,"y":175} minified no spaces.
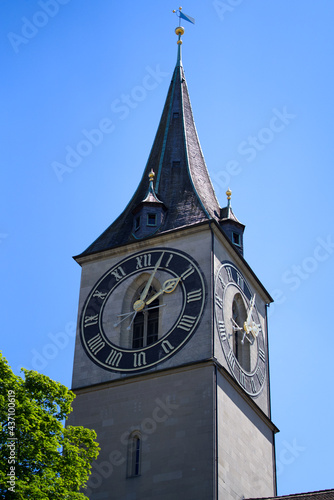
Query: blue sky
{"x":260,"y":77}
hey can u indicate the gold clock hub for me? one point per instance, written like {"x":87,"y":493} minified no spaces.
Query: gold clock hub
{"x":139,"y":305}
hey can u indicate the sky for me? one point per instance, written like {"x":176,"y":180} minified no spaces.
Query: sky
{"x":82,"y":89}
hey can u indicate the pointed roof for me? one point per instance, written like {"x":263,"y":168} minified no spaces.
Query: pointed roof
{"x":226,"y":213}
{"x":151,"y":196}
{"x":182,"y":181}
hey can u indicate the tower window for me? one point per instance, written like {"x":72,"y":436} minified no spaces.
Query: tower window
{"x":151,"y":219}
{"x":146,"y":326}
{"x":236,"y":238}
{"x":134,"y":454}
{"x":175,"y":114}
{"x":176,"y":163}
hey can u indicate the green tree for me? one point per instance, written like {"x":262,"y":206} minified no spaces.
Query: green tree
{"x":40,"y":459}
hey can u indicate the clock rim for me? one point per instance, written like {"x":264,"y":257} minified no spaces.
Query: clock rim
{"x":251,"y":374}
{"x":180,"y":345}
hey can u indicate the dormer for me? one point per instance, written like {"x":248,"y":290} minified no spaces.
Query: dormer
{"x":148,"y":216}
{"x":231,"y":226}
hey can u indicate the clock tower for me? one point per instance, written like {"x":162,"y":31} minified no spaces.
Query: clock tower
{"x":171,"y":354}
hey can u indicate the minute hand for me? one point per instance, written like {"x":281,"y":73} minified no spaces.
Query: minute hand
{"x":148,"y":284}
{"x":252,"y":302}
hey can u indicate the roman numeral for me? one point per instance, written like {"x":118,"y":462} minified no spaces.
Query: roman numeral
{"x":91,"y":320}
{"x":187,"y":273}
{"x":169,"y":259}
{"x":139,"y":359}
{"x":187,"y":322}
{"x":222,"y":329}
{"x":260,"y":375}
{"x":143,"y":261}
{"x":231,"y":359}
{"x":242,"y":378}
{"x":194,"y":296}
{"x":119,"y":273}
{"x":240,"y":281}
{"x":229,"y":273}
{"x":253,"y":386}
{"x":219,"y":301}
{"x":114,"y":358}
{"x":96,"y":343}
{"x":99,"y":295}
{"x":262,"y":355}
{"x":221,"y":281}
{"x":167,"y":346}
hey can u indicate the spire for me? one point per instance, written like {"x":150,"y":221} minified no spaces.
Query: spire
{"x":182,"y":182}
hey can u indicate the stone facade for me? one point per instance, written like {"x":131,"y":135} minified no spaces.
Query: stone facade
{"x":173,"y":412}
{"x":201,"y":435}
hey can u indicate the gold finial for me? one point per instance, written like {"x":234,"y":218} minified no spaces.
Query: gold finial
{"x":151,"y":175}
{"x":228,"y":194}
{"x":179,"y":30}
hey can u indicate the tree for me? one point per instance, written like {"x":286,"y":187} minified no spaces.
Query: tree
{"x":40,"y":459}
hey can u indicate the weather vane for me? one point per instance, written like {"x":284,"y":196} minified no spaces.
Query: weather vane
{"x":180,"y":15}
{"x":180,"y":30}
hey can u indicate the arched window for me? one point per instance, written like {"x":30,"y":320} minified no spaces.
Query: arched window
{"x":134,"y":454}
{"x":146,"y":325}
{"x":241,"y":350}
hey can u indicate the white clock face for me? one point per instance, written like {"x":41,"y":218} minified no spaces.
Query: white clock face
{"x":239,"y":327}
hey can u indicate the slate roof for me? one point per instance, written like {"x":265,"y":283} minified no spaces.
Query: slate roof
{"x":182,"y":182}
{"x":227,"y":213}
{"x":313,"y":495}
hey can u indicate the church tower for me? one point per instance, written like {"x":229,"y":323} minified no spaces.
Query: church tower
{"x":171,"y":354}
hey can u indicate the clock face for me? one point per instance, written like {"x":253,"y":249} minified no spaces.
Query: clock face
{"x":239,"y":328}
{"x":143,"y":310}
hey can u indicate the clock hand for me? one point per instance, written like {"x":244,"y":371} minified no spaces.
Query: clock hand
{"x":249,"y":315}
{"x":168,"y":287}
{"x":254,"y":329}
{"x":236,"y":326}
{"x":144,"y":293}
{"x":248,"y":324}
{"x":132,"y":320}
{"x":126,"y":315}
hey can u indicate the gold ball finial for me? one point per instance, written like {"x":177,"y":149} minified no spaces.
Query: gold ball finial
{"x":228,"y":194}
{"x":151,"y":175}
{"x":179,"y":30}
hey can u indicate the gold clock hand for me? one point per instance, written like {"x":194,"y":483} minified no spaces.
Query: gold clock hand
{"x":252,"y":302}
{"x":148,"y":284}
{"x":168,"y":287}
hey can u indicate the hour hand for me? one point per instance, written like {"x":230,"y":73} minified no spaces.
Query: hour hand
{"x":168,"y":287}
